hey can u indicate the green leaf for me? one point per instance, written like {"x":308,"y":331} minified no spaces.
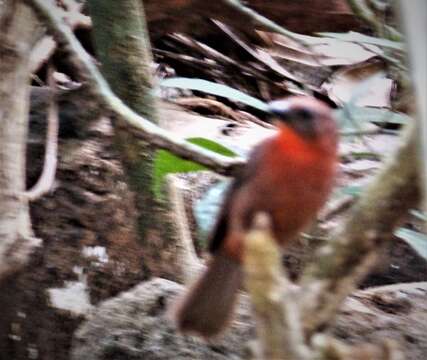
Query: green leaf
{"x":212,"y":146}
{"x":167,"y":163}
{"x":214,"y":89}
{"x":364,"y":39}
{"x":417,"y":240}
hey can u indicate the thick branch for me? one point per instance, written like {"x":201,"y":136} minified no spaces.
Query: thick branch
{"x":348,"y":257}
{"x":139,"y":126}
{"x":20,"y":30}
{"x":278,"y":321}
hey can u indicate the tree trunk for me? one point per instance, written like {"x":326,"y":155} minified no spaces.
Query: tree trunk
{"x":19,"y":31}
{"x":123,"y":48}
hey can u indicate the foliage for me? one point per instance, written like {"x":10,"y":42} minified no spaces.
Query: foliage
{"x":166,"y":163}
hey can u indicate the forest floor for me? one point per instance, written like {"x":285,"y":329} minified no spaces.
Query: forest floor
{"x":90,"y":251}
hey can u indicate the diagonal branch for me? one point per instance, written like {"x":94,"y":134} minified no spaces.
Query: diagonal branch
{"x":136,"y":124}
{"x":355,"y":247}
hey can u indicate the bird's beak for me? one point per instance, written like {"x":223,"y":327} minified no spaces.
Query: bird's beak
{"x":280,"y":109}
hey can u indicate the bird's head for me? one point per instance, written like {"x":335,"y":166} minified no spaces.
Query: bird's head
{"x":305,"y":116}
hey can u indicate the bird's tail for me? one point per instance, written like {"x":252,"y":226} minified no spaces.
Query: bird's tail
{"x":207,"y":306}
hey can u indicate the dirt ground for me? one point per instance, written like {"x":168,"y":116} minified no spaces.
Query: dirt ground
{"x":89,"y":209}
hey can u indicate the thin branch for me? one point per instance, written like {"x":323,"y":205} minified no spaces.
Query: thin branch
{"x":46,"y":47}
{"x":136,"y":124}
{"x":47,"y":177}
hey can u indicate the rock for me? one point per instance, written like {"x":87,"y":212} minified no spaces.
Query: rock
{"x":395,"y":312}
{"x":135,"y":326}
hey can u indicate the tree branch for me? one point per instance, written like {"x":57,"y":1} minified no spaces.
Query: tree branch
{"x":139,"y":126}
{"x":328,"y":348}
{"x":278,"y":320}
{"x":20,"y":30}
{"x":350,"y":254}
{"x":47,"y":177}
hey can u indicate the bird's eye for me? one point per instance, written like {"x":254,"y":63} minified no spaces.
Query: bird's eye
{"x":304,"y":114}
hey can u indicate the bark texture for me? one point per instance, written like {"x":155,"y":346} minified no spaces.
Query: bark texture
{"x":19,"y":30}
{"x":123,"y":48}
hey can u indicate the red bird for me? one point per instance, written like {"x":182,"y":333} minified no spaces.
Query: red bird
{"x":289,"y":176}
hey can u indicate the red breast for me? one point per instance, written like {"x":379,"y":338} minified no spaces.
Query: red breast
{"x":291,"y":176}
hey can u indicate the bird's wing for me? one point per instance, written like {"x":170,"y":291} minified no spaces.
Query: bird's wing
{"x":221,"y":226}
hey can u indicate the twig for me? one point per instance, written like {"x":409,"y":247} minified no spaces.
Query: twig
{"x":257,"y":54}
{"x":136,"y":124}
{"x":47,"y":177}
{"x":278,"y":321}
{"x":47,"y":46}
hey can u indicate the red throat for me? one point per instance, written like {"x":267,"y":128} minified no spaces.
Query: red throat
{"x":294,"y":145}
